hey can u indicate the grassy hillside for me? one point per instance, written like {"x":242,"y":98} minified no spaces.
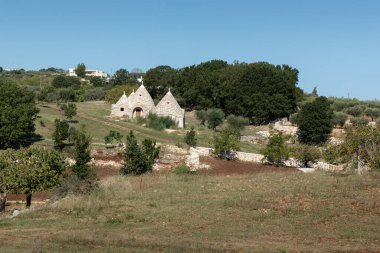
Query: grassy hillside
{"x":265,"y":212}
{"x":95,"y":116}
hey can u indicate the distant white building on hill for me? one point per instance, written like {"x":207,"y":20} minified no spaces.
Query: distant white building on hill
{"x":89,"y":72}
{"x":140,"y":104}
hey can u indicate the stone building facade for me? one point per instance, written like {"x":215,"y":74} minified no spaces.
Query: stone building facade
{"x":140,"y":104}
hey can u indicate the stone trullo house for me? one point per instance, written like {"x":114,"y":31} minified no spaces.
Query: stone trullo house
{"x":140,"y":104}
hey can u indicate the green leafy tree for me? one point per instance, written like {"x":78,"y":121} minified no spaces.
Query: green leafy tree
{"x":1,"y":69}
{"x":306,"y":154}
{"x":276,"y":152}
{"x":113,"y":95}
{"x":80,"y":70}
{"x":18,"y":112}
{"x":355,"y":111}
{"x":97,"y":81}
{"x":191,"y":138}
{"x":315,"y":121}
{"x":201,"y":115}
{"x":373,"y":113}
{"x":82,"y":142}
{"x":69,"y":110}
{"x":121,"y":77}
{"x":159,"y":79}
{"x":60,"y":134}
{"x":362,"y":144}
{"x":139,"y":159}
{"x":225,"y":144}
{"x":30,"y":170}
{"x":215,"y":118}
{"x":65,"y":82}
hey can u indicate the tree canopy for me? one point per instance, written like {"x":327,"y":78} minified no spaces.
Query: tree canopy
{"x":259,"y":91}
{"x":315,"y":121}
{"x":29,"y":170}
{"x":80,"y":70}
{"x":18,"y":112}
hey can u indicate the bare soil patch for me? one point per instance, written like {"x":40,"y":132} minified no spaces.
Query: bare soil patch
{"x":223,"y":167}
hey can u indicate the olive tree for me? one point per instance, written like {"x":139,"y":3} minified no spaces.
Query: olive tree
{"x":29,"y":170}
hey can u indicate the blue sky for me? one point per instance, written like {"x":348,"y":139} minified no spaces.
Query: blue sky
{"x":334,"y":44}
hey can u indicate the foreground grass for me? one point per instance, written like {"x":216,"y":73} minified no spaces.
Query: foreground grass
{"x":267,"y":212}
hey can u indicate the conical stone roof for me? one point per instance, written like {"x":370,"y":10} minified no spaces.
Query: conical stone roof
{"x":122,"y":100}
{"x":141,"y":98}
{"x":169,"y":106}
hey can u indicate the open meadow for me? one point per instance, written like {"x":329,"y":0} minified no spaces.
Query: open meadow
{"x":257,"y":212}
{"x":95,"y":116}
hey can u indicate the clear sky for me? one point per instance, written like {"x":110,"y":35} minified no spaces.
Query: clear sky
{"x":335,"y":44}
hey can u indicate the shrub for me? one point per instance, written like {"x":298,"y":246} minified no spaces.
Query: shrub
{"x":293,"y":118}
{"x":339,"y":119}
{"x":74,"y":185}
{"x":69,"y":110}
{"x":67,"y":95}
{"x":82,"y":142}
{"x":355,"y":111}
{"x":276,"y":152}
{"x":113,"y":136}
{"x":65,"y":81}
{"x":237,"y":122}
{"x":60,"y":134}
{"x":201,"y":115}
{"x":159,"y":123}
{"x":305,"y":154}
{"x":333,"y":154}
{"x":372,"y":112}
{"x":225,"y":144}
{"x":94,"y":94}
{"x":139,"y":159}
{"x":190,"y":138}
{"x":356,"y":121}
{"x":182,"y":169}
{"x":215,"y":117}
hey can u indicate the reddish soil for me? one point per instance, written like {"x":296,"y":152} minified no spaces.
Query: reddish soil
{"x":106,"y":171}
{"x":108,"y":156}
{"x":36,"y":196}
{"x":223,"y":167}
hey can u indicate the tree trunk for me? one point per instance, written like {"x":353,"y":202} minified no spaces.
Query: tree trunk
{"x":28,"y":199}
{"x":3,"y":201}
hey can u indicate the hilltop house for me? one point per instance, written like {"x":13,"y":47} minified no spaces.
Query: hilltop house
{"x":140,"y":104}
{"x":89,"y":72}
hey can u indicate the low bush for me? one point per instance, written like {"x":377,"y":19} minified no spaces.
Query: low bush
{"x":276,"y":152}
{"x":225,"y":144}
{"x":159,"y":123}
{"x":191,"y":138}
{"x":358,"y":121}
{"x":305,"y":154}
{"x":339,"y":119}
{"x":182,"y":169}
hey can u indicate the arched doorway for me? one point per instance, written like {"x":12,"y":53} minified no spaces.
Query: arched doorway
{"x":137,"y":112}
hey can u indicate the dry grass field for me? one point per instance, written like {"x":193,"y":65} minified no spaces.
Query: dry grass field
{"x":261,"y":212}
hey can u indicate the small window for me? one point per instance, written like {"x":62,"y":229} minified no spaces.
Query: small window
{"x":122,"y":109}
{"x":168,"y":102}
